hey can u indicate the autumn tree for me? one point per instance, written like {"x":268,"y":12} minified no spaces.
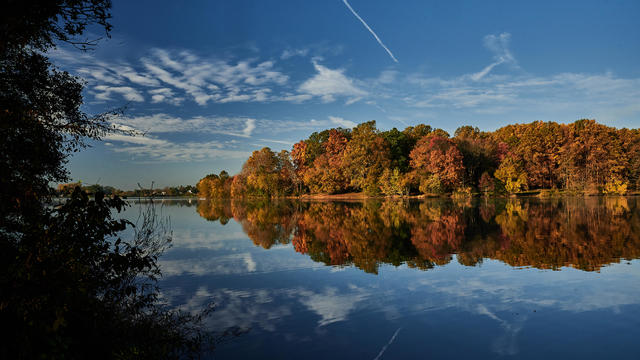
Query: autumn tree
{"x":486,"y":184}
{"x":288,"y":180}
{"x":326,"y":175}
{"x":437,"y":164}
{"x":631,"y":144}
{"x":479,"y":153}
{"x":415,"y":133}
{"x":393,"y":182}
{"x":592,"y":155}
{"x":511,"y":174}
{"x":365,"y":157}
{"x":582,"y":156}
{"x":261,"y":174}
{"x":215,"y":186}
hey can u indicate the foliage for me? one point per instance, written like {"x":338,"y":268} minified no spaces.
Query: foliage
{"x":76,"y":289}
{"x":511,"y":174}
{"x":392,"y":182}
{"x":326,"y":174}
{"x":71,"y":288}
{"x":215,"y":186}
{"x":365,"y":156}
{"x":487,"y":184}
{"x":580,"y":157}
{"x":431,"y":185}
{"x":615,"y":187}
{"x":39,"y":24}
{"x":400,"y":145}
{"x":462,"y":192}
{"x":436,"y":157}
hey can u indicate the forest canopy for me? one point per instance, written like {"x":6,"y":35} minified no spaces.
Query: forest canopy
{"x":581,"y":157}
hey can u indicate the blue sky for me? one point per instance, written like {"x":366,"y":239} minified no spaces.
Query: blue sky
{"x":209,"y":82}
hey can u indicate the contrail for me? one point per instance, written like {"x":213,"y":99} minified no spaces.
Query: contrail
{"x":370,"y":30}
{"x":479,"y":75}
{"x":384,"y":348}
{"x":499,"y":45}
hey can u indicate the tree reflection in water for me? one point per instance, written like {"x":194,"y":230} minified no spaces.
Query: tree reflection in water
{"x":584,"y":233}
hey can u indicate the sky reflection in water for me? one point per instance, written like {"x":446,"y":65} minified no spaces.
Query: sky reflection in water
{"x":428,"y":279}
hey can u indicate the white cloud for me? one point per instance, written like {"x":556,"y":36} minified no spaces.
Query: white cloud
{"x":150,"y":149}
{"x":298,"y":98}
{"x":465,"y":97}
{"x":566,"y":96}
{"x":249,"y":127}
{"x":288,"y":53}
{"x":141,"y":79}
{"x":328,"y":83}
{"x":342,"y":122}
{"x":165,"y":95}
{"x":138,"y":140}
{"x":387,"y":77}
{"x":499,"y":45}
{"x":101,"y":75}
{"x":289,"y":143}
{"x":103,"y":92}
{"x":214,"y":79}
{"x":184,"y":74}
{"x":164,"y":123}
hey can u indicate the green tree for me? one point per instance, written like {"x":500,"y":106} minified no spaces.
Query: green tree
{"x":399,"y":148}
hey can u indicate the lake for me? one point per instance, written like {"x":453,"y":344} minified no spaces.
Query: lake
{"x":522,"y":278}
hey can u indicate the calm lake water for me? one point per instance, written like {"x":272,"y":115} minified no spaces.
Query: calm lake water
{"x":433,"y":279}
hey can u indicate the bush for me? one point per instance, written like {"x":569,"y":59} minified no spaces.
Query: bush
{"x":431,"y":185}
{"x":615,"y":187}
{"x":73,"y":288}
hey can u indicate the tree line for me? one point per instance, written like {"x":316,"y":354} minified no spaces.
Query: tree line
{"x":581,"y":157}
{"x":66,"y":189}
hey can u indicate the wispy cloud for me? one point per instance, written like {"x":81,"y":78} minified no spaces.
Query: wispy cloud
{"x":566,"y":96}
{"x":173,"y":76}
{"x":289,"y":53}
{"x":149,"y":149}
{"x":165,"y":95}
{"x":161,"y":123}
{"x":166,"y":126}
{"x":328,"y":83}
{"x":499,"y":45}
{"x":283,"y":142}
{"x":342,"y":122}
{"x":214,"y":79}
{"x":370,"y":30}
{"x":104,"y":92}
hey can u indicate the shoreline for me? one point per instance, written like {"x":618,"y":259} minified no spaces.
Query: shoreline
{"x":361,"y":196}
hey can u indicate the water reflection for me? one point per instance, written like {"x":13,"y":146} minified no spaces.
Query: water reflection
{"x":584,"y":233}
